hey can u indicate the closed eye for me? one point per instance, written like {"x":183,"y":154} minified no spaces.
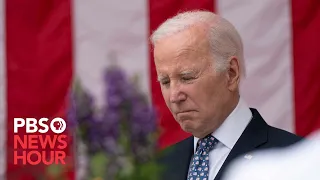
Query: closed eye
{"x":187,"y":79}
{"x":164,"y":82}
{"x":188,"y":75}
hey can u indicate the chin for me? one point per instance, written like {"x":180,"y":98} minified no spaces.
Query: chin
{"x":187,"y":126}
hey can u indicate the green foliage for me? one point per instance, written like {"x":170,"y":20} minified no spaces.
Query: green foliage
{"x":98,"y":164}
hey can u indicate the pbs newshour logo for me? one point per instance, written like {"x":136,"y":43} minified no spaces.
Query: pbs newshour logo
{"x":57,"y":125}
{"x":34,"y":148}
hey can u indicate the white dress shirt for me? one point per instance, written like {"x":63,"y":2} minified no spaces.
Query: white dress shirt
{"x":228,"y":134}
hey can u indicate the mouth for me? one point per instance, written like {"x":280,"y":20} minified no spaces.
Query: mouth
{"x":185,"y":112}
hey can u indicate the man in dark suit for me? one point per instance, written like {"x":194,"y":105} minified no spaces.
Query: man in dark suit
{"x":199,"y":62}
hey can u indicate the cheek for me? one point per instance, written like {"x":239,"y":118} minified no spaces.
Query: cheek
{"x":166,"y":95}
{"x":193,"y":91}
{"x":206,"y":94}
{"x":198,"y":96}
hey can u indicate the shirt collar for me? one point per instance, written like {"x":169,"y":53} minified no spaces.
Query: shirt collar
{"x":231,"y":129}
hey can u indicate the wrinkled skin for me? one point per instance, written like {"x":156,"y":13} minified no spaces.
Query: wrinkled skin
{"x":199,"y":97}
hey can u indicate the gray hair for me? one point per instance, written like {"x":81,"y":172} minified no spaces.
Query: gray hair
{"x":223,"y":37}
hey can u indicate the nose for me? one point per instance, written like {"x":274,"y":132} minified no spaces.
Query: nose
{"x":176,"y":95}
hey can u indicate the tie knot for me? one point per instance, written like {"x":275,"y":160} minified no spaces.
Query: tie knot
{"x":207,"y":143}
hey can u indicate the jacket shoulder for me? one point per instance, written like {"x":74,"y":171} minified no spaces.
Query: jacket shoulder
{"x":274,"y":137}
{"x":281,"y":138}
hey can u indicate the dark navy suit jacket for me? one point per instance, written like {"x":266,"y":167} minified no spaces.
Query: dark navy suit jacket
{"x":257,"y":135}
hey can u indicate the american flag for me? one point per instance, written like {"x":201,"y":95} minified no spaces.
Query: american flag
{"x":44,"y":44}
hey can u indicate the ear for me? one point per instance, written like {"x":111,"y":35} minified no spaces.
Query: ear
{"x":233,"y":74}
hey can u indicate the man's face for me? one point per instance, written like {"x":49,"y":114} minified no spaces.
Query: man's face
{"x":194,"y":92}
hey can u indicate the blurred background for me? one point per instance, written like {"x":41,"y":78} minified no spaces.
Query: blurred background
{"x":91,"y":62}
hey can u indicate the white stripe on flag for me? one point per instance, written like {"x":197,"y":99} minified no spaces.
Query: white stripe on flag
{"x":100,"y":28}
{"x":265,"y":27}
{"x":105,"y":26}
{"x":3,"y":124}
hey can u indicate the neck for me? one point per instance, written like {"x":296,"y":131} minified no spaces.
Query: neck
{"x":232,"y":104}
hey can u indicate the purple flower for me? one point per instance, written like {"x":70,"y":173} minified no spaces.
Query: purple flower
{"x":80,"y":108}
{"x":125,"y":106}
{"x":143,"y":117}
{"x":111,"y":119}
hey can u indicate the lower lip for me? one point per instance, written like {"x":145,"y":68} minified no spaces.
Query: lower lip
{"x":186,"y":112}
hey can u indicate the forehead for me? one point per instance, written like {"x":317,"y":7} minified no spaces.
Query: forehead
{"x":185,"y":50}
{"x":194,"y":38}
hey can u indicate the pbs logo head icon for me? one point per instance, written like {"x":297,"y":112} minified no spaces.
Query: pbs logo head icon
{"x":58,"y":125}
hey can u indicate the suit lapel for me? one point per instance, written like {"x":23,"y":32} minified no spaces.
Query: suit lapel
{"x":253,"y":136}
{"x":177,"y":159}
{"x":185,"y":155}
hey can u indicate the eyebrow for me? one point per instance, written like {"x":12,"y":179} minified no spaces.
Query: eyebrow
{"x":183,"y":73}
{"x":187,"y":72}
{"x":161,"y":77}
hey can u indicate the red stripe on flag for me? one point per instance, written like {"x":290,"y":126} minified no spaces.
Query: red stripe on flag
{"x":159,"y":11}
{"x":306,"y":54}
{"x":39,"y":66}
